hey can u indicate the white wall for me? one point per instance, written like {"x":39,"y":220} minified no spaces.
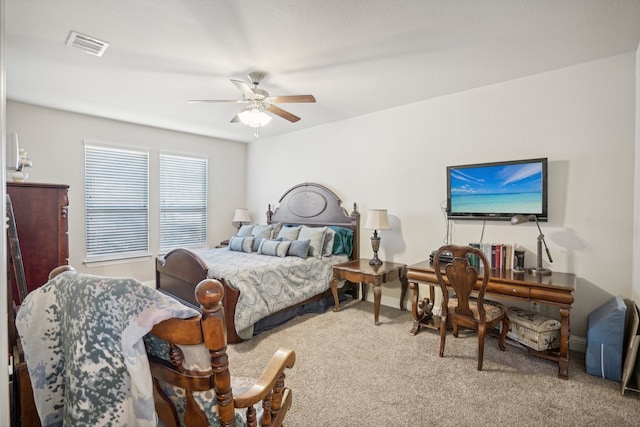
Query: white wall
{"x":54,"y":141}
{"x":581,"y":118}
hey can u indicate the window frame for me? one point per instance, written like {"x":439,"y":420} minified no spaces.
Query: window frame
{"x":187,"y":180}
{"x":141,"y":210}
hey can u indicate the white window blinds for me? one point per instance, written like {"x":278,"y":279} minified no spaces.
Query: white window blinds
{"x":183,"y":201}
{"x":116,"y":203}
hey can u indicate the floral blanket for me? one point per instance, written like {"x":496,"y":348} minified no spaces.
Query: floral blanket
{"x":82,"y":339}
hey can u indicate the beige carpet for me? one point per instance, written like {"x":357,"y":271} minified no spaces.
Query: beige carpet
{"x":350,"y":372}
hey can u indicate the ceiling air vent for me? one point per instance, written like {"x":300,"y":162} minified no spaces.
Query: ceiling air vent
{"x":87,"y":44}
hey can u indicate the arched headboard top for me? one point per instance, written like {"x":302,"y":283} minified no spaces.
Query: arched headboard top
{"x":315,"y":205}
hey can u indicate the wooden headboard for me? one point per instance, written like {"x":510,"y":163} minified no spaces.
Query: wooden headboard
{"x":315,"y":205}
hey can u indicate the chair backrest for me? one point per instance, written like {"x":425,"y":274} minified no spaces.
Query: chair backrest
{"x":462,"y":278}
{"x":190,"y":369}
{"x":83,"y":341}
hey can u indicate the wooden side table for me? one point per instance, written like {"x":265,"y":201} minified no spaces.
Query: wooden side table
{"x":359,"y":271}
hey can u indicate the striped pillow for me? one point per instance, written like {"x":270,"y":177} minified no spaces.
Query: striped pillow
{"x":240,"y":244}
{"x":277,"y":248}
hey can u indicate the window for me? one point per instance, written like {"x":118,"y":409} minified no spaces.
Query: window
{"x":183,"y":201}
{"x":116,"y":203}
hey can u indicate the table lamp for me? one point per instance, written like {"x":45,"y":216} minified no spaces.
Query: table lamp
{"x":376,"y":220}
{"x":241,"y":216}
{"x":537,"y":271}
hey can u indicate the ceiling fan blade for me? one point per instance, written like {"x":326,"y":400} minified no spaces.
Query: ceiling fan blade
{"x":282,"y":113}
{"x":197,"y":101}
{"x":293,"y":98}
{"x":244,"y":88}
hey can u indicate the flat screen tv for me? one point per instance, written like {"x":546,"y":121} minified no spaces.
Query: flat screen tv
{"x":497,"y":191}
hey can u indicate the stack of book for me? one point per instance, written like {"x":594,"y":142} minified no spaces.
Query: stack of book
{"x":499,"y":255}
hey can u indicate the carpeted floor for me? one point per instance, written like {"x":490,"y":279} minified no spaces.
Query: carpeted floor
{"x":349,"y":372}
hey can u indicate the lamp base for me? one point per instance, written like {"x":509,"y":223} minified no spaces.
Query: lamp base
{"x":538,"y":271}
{"x":375,"y":260}
{"x":375,"y":245}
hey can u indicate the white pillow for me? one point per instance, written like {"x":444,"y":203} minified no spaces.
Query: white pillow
{"x":289,"y":232}
{"x":316,"y":235}
{"x":329,"y":238}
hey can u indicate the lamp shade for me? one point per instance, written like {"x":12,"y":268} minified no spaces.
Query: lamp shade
{"x":254,"y":117}
{"x":377,"y":220}
{"x":240,"y":216}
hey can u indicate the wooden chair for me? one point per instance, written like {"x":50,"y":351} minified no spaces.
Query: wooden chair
{"x":189,"y":366}
{"x":461,"y":309}
{"x":175,"y":383}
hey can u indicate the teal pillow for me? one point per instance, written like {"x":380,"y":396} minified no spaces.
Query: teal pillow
{"x":316,"y":235}
{"x":342,"y":241}
{"x":299,"y":248}
{"x":277,"y":248}
{"x":241,"y":244}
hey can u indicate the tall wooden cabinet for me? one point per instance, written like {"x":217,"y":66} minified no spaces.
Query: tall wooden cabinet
{"x":41,"y":215}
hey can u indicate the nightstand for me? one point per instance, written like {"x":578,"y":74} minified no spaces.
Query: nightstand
{"x":360,"y":271}
{"x":223,"y":244}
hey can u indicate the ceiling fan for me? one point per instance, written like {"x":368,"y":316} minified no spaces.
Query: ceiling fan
{"x":259,"y":101}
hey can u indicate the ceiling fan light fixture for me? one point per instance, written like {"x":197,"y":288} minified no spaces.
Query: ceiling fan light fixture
{"x":254,"y":117}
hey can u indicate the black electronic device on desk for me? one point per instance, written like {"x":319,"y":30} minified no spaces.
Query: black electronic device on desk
{"x":445,"y":257}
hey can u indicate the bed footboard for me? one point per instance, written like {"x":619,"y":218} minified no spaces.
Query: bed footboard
{"x":179,"y":272}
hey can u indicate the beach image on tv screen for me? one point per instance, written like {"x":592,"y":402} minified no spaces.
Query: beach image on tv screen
{"x":514,"y":188}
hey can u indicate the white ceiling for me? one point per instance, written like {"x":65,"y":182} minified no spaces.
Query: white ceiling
{"x":354,"y":56}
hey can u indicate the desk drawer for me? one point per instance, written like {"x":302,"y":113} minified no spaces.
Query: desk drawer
{"x":508,"y":290}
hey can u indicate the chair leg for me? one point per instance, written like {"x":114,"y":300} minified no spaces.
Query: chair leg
{"x":481,"y":331}
{"x":443,"y":333}
{"x":506,"y":324}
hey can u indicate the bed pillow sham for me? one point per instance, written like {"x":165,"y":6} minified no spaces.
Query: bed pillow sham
{"x":245,"y":230}
{"x":329,"y":237}
{"x":263,"y":231}
{"x":316,"y":235}
{"x":289,"y":232}
{"x":241,"y":244}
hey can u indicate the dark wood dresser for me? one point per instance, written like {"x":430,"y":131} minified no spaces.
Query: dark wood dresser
{"x":41,"y":218}
{"x":41,"y":215}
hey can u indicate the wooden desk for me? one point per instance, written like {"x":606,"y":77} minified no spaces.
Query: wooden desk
{"x":555,"y":290}
{"x":359,"y":271}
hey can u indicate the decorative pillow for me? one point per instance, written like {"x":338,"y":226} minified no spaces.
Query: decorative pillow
{"x":263,"y":231}
{"x":329,"y":237}
{"x":277,"y":248}
{"x":289,"y":232}
{"x":276,"y":230}
{"x":245,"y":230}
{"x":343,"y":240}
{"x":241,"y":244}
{"x":299,"y":248}
{"x":316,"y":235}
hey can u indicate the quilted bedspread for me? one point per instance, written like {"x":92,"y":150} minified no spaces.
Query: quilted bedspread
{"x":82,"y":338}
{"x":268,"y":284}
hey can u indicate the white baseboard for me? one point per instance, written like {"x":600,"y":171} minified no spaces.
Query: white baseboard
{"x":578,"y":344}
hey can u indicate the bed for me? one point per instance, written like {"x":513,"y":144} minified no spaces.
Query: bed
{"x":261,"y":290}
